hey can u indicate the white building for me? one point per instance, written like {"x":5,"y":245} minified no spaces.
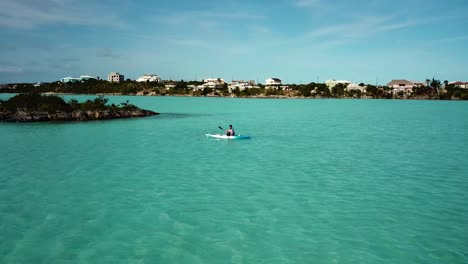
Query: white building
{"x":404,"y":85}
{"x":459,"y":84}
{"x":70,"y":79}
{"x":354,"y":86}
{"x":417,"y":83}
{"x":242,"y":85}
{"x":170,"y":86}
{"x":192,"y":87}
{"x":87,"y":77}
{"x":273,"y":82}
{"x":212,"y":83}
{"x":214,"y":80}
{"x":115,"y":77}
{"x":332,"y":83}
{"x":149,"y":78}
{"x":77,"y":79}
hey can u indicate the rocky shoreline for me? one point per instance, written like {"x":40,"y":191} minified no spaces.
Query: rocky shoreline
{"x":79,"y":115}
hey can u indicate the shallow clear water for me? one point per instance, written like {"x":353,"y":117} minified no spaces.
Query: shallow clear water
{"x":320,"y":181}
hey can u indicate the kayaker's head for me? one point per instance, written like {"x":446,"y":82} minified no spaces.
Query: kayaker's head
{"x":230,"y":126}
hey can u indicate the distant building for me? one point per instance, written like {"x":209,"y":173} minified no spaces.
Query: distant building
{"x":404,"y":85}
{"x":214,"y":80}
{"x":459,"y":84}
{"x":242,"y":85}
{"x":70,"y":79}
{"x":170,"y":86}
{"x":149,"y":78}
{"x":212,"y":83}
{"x":87,"y":77}
{"x":332,"y":83}
{"x":417,"y":83}
{"x":38,"y":84}
{"x":273,"y":82}
{"x":77,"y":79}
{"x":192,"y":87}
{"x":354,"y":86}
{"x":115,"y":77}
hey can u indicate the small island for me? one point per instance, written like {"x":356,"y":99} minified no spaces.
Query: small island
{"x":34,"y":107}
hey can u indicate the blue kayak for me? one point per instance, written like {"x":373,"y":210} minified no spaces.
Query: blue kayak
{"x":219,"y":136}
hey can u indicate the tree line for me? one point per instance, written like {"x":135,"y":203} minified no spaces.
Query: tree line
{"x":432,"y":90}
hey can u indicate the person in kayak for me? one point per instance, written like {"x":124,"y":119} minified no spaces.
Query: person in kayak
{"x":230,"y":131}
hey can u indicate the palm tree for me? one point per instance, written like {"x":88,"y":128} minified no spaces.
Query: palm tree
{"x":435,"y":84}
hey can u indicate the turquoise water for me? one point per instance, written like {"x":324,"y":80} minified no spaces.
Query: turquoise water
{"x":320,"y":181}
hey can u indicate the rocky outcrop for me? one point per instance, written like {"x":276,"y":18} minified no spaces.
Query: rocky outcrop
{"x":26,"y":116}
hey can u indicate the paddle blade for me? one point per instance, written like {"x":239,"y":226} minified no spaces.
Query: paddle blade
{"x":220,"y":128}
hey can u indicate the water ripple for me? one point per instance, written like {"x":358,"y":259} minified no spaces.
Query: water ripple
{"x":321,"y":181}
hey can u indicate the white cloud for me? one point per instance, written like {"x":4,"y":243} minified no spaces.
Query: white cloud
{"x":260,"y":29}
{"x":365,"y":27}
{"x":359,"y":27}
{"x":211,"y":17}
{"x":10,"y":69}
{"x":224,"y":14}
{"x":306,"y":3}
{"x":192,"y":43}
{"x":30,"y":14}
{"x":107,"y":53}
{"x":209,"y":45}
{"x":202,"y":28}
{"x":452,"y":39}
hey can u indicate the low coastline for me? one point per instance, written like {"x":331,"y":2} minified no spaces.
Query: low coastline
{"x":41,"y":116}
{"x":431,"y":91}
{"x":252,"y":96}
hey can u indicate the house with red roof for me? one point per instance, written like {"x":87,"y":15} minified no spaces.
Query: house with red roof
{"x":404,"y":85}
{"x":459,"y":84}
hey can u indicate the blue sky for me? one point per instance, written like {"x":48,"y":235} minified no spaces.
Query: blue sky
{"x":298,"y":41}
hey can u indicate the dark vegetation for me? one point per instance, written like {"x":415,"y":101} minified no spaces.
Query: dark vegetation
{"x":51,"y":103}
{"x":433,"y":89}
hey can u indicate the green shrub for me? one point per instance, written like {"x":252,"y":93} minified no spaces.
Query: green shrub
{"x":53,"y":103}
{"x":36,"y":102}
